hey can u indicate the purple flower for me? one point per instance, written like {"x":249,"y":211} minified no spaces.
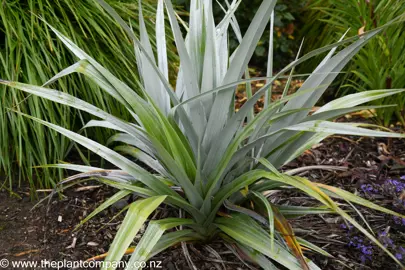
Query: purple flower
{"x":398,"y":185}
{"x":367,"y":188}
{"x":388,"y":243}
{"x":400,"y":253}
{"x":385,"y":239}
{"x":347,"y":227}
{"x":399,"y":221}
{"x":359,"y":244}
{"x":366,"y":250}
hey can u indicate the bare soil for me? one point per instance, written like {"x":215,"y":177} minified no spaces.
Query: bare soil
{"x":47,"y":232}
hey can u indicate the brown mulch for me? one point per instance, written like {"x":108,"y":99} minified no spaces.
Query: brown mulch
{"x":39,"y":235}
{"x":277,"y":90}
{"x":370,"y":162}
{"x":47,"y":232}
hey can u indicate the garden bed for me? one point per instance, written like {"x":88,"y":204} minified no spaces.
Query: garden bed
{"x":374,"y":171}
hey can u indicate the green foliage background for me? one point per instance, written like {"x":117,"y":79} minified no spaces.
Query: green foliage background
{"x":30,"y":53}
{"x":380,"y":64}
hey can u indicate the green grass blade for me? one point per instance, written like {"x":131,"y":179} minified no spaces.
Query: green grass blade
{"x":341,"y":128}
{"x":144,"y":158}
{"x":270,"y":215}
{"x":342,"y":194}
{"x":334,"y":113}
{"x":246,"y":231}
{"x":136,"y":216}
{"x":115,"y":158}
{"x":110,"y":201}
{"x":258,"y":258}
{"x":151,"y":237}
{"x":357,"y":99}
{"x":172,"y":238}
{"x":313,"y":247}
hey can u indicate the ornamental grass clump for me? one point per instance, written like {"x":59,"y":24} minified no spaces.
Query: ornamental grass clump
{"x":30,"y":53}
{"x":377,"y":65}
{"x":196,"y":154}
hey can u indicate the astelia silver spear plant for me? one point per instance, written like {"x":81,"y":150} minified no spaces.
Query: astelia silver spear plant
{"x":204,"y":159}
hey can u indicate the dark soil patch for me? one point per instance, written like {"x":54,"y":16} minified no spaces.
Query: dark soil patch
{"x":19,"y":228}
{"x":372,"y":163}
{"x":47,"y":232}
{"x":48,"y":235}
